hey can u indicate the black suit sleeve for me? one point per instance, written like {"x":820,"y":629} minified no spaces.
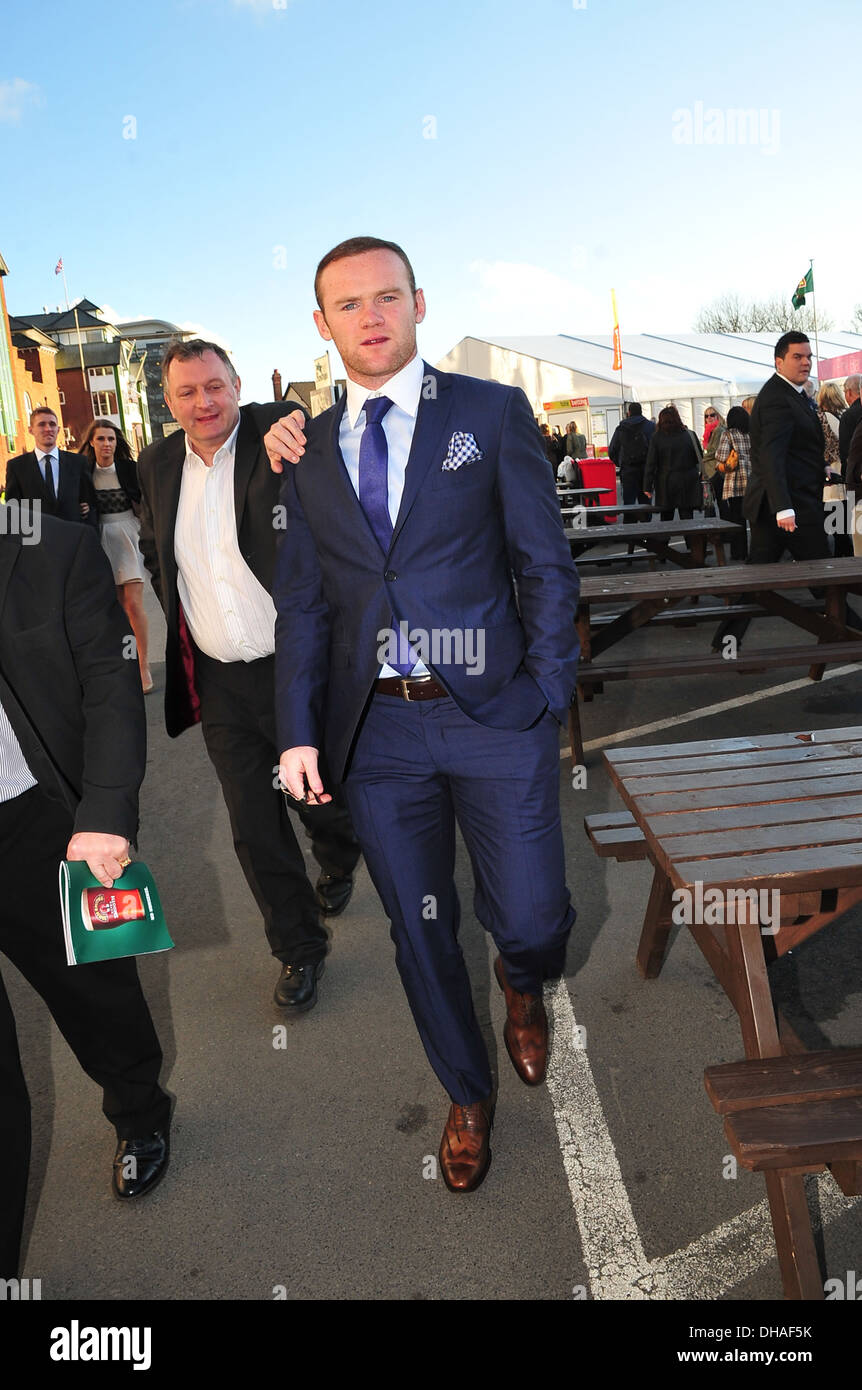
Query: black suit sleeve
{"x":13,"y":480}
{"x":147,"y":537}
{"x":775,"y":436}
{"x":87,"y":494}
{"x":854,"y":463}
{"x":115,"y":737}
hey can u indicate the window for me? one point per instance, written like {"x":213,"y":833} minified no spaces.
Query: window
{"x":62,"y":396}
{"x":105,"y":403}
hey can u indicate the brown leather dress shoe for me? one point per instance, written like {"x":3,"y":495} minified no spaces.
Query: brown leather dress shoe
{"x":465,"y":1151}
{"x":525,"y":1031}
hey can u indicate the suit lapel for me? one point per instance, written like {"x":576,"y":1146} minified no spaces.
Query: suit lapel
{"x":67,"y":493}
{"x":245,"y":457}
{"x":37,"y":482}
{"x":171,"y":481}
{"x":435,"y":405}
{"x":342,"y":487}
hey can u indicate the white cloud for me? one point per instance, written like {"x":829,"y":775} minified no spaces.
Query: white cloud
{"x":209,"y":337}
{"x":15,"y":95}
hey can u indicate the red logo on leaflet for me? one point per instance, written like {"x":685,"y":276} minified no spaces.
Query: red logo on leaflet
{"x":103,"y":908}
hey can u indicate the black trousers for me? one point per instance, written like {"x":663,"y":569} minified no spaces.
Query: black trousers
{"x":632,"y":481}
{"x":100,"y":1009}
{"x":768,"y":543}
{"x":730,"y":509}
{"x":238,"y":722}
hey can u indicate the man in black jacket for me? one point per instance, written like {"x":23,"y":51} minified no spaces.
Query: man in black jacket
{"x":784,"y":498}
{"x":628,"y":450}
{"x":209,"y":524}
{"x":849,"y":419}
{"x":72,"y":757}
{"x":58,"y":480}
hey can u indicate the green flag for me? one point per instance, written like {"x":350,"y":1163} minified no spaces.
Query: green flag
{"x":805,"y":286}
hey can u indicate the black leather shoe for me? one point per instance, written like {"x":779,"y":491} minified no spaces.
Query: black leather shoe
{"x":333,"y":893}
{"x":296,"y":990}
{"x":140,"y":1164}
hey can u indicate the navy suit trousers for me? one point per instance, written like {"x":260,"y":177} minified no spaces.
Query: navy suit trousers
{"x":418,"y":767}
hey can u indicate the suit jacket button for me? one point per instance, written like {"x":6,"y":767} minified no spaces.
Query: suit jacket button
{"x":390,"y":574}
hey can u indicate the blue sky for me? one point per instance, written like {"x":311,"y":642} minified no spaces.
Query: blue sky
{"x":573,"y":150}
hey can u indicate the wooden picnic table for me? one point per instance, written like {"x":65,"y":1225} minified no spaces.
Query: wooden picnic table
{"x":636,"y":509}
{"x":656,"y":537}
{"x":644,"y":598}
{"x":590,"y":494}
{"x":747,"y":817}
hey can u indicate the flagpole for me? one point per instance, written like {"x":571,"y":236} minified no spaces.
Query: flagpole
{"x":814,"y":312}
{"x":619,"y":346}
{"x":65,"y":286}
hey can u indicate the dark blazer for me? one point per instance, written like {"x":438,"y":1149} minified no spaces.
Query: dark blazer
{"x":854,"y":462}
{"x":461,"y":538}
{"x":256,"y":489}
{"x":847,"y":422}
{"x":672,"y":469}
{"x":24,"y":481}
{"x":127,"y":475}
{"x":788,"y":467}
{"x":71,"y":695}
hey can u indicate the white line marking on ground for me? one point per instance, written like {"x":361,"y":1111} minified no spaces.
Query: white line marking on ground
{"x":623,"y":735}
{"x":617,"y":1266}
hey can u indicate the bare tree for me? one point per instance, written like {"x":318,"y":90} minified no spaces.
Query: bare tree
{"x":729,"y":314}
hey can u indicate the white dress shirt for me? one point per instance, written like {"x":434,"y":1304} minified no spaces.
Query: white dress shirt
{"x":15,"y":775}
{"x":231,"y":616}
{"x":788,"y":511}
{"x":42,"y":460}
{"x":404,"y":390}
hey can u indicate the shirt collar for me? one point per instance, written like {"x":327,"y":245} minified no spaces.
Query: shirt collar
{"x":791,"y":384}
{"x":403,"y":389}
{"x":52,"y":454}
{"x":223,"y":451}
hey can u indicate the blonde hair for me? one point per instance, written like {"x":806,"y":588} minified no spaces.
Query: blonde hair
{"x":748,"y":403}
{"x":831,"y":397}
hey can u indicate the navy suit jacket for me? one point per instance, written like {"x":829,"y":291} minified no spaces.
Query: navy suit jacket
{"x":477,"y":547}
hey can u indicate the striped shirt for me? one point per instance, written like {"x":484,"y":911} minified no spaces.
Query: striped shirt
{"x":15,"y":775}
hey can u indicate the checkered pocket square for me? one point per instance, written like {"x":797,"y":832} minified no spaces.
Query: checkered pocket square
{"x":462,"y":449}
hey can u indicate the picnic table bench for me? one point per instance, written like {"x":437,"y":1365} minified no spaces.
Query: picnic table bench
{"x":655,"y":537}
{"x":739,"y":823}
{"x":642,"y":597}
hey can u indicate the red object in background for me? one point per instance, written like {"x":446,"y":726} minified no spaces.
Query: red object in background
{"x":601,"y":473}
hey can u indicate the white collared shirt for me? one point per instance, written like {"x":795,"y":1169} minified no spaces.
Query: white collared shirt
{"x":231,"y":616}
{"x":404,"y":390}
{"x":788,"y":511}
{"x":54,"y":456}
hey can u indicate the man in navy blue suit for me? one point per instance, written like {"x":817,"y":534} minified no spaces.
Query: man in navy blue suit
{"x":425,"y":638}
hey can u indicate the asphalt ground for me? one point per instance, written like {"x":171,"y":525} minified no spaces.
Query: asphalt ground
{"x":302,"y":1171}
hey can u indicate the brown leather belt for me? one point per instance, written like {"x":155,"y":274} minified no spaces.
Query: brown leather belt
{"x":407,"y":688}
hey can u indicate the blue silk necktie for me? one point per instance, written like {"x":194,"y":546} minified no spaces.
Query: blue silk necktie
{"x":374,"y":490}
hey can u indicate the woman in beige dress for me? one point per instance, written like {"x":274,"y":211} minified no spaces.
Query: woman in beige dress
{"x":115,"y":479}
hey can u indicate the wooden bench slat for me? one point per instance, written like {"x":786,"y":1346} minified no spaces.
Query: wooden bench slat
{"x":707,"y":800}
{"x":828,"y":866}
{"x":803,"y":835}
{"x":769,"y":1081}
{"x":648,"y":668}
{"x":689,"y":823}
{"x":790,"y":1136}
{"x":758,"y":777}
{"x":802,"y":753}
{"x":616,"y":835}
{"x":619,"y":757}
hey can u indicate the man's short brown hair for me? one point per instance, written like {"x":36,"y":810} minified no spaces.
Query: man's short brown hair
{"x":179,"y":351}
{"x":357,"y":246}
{"x":43,"y":410}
